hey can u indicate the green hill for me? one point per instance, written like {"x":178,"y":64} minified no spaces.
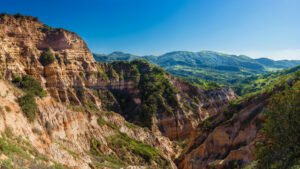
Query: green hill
{"x":115,"y":56}
{"x":207,"y":65}
{"x":278,"y":64}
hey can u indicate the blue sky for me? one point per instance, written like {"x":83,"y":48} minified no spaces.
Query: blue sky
{"x":258,"y":28}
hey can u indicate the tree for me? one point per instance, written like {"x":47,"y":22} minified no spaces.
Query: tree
{"x":281,"y":131}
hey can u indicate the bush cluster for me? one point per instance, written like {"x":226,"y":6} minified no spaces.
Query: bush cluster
{"x":29,"y":85}
{"x":46,"y":29}
{"x":32,"y":88}
{"x":47,"y":58}
{"x":28,"y":105}
{"x":157,"y":94}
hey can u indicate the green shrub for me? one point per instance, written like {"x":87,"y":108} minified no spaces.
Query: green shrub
{"x":8,"y":132}
{"x":29,"y":85}
{"x":46,"y":29}
{"x":47,"y":58}
{"x":7,"y":108}
{"x":32,"y":88}
{"x":28,"y":106}
{"x":67,"y":61}
{"x":102,"y":122}
{"x":90,"y":106}
{"x":17,"y":15}
{"x":130,"y":125}
{"x":17,"y":80}
{"x":112,"y":160}
{"x":206,"y":125}
{"x":125,"y":146}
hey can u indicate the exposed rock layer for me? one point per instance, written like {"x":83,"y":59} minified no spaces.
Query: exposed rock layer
{"x":226,"y":141}
{"x":23,"y":40}
{"x":63,"y":130}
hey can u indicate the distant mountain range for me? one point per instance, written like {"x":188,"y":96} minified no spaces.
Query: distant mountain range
{"x":207,"y":65}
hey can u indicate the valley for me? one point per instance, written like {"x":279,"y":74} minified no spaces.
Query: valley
{"x":64,"y":107}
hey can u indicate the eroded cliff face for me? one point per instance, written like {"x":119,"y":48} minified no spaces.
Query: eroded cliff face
{"x":63,"y":132}
{"x":75,"y":125}
{"x":24,"y":39}
{"x":226,"y":140}
{"x":77,"y":139}
{"x":195,"y":105}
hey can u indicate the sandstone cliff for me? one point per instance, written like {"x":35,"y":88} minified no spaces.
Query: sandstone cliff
{"x":63,"y":132}
{"x":75,"y":126}
{"x":24,"y":40}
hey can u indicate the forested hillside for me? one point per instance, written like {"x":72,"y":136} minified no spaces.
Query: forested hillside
{"x":206,"y":65}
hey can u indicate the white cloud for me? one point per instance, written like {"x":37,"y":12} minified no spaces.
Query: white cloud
{"x":288,"y":54}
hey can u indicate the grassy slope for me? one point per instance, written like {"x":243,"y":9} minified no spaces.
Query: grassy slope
{"x":17,"y":152}
{"x":261,"y":82}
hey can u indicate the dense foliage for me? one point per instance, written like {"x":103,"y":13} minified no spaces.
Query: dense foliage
{"x":47,"y":58}
{"x":157,"y":94}
{"x":280,"y":134}
{"x":32,"y":88}
{"x":28,"y":105}
{"x":29,"y":85}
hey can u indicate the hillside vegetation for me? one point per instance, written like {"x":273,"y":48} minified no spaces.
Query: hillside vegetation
{"x":259,"y":130}
{"x":206,"y":65}
{"x":256,"y":83}
{"x":280,"y":133}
